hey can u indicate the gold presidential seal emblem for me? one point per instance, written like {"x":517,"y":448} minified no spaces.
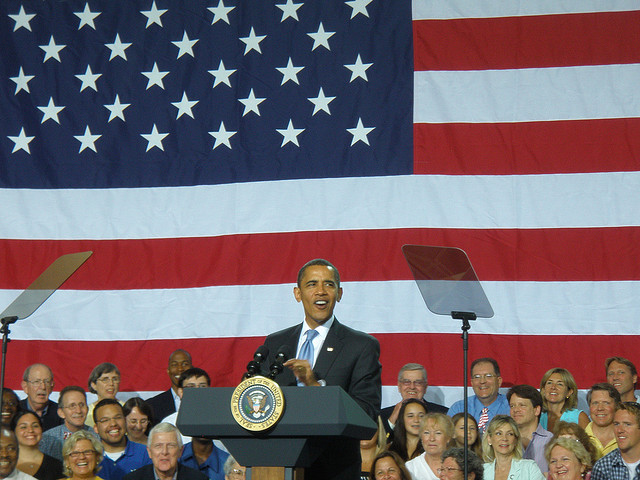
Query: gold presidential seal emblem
{"x":257,"y":403}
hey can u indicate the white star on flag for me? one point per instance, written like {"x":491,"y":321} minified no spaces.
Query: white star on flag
{"x":222,"y":136}
{"x":252,"y":42}
{"x":251,"y":103}
{"x":184,"y":106}
{"x":116,"y":109}
{"x":50,"y":112}
{"x":88,"y":79}
{"x":289,"y":10}
{"x":321,"y":38}
{"x":185,"y":45}
{"x":52,"y":50}
{"x":154,"y":138}
{"x":359,"y":69}
{"x":360,"y":133}
{"x":321,"y":102}
{"x":87,"y":140}
{"x":153,"y":15}
{"x":117,"y":48}
{"x":289,"y":72}
{"x":22,"y":81}
{"x":21,"y":142}
{"x":221,"y":75}
{"x":155,"y":77}
{"x":86,"y":17}
{"x":220,"y":13}
{"x":290,"y":134}
{"x":359,"y":6}
{"x":22,"y":19}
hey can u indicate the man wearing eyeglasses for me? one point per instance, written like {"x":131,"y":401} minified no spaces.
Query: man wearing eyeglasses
{"x":412,"y":383}
{"x":164,"y":448}
{"x":72,"y":408}
{"x":487,"y":401}
{"x":121,"y":456}
{"x":37,"y":383}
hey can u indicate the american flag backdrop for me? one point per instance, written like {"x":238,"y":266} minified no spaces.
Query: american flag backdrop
{"x":205,"y":149}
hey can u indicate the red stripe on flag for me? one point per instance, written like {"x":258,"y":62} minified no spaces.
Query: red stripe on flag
{"x":578,"y":146}
{"x":527,"y":42}
{"x":225,"y":358}
{"x":373,"y":255}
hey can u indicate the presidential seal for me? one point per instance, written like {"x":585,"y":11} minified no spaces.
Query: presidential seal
{"x":257,"y":403}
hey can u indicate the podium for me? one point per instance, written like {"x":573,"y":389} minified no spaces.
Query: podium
{"x":316,"y":422}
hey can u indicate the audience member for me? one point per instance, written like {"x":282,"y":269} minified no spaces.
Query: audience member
{"x":412,"y":383}
{"x":138,"y":417}
{"x":487,"y":401}
{"x":82,"y":453}
{"x":526,"y":404}
{"x":10,"y":403}
{"x":406,"y":438}
{"x":9,"y":456}
{"x":233,"y":470}
{"x":436,"y":435}
{"x":623,"y":462}
{"x":389,"y":466}
{"x":453,"y":465}
{"x":622,"y":374}
{"x":502,"y":448}
{"x":121,"y":456}
{"x":474,"y":440}
{"x":560,"y":399}
{"x":568,"y":460}
{"x":165,"y":448}
{"x":28,"y":429}
{"x":37,"y":383}
{"x":168,"y":402}
{"x":104,"y":381}
{"x":574,"y":431}
{"x":370,"y":448}
{"x":603,"y":400}
{"x":72,"y":408}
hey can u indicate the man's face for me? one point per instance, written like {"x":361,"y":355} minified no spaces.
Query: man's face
{"x":626,"y":429}
{"x":9,"y":407}
{"x":485,"y":382}
{"x":451,"y":471}
{"x":522,"y":411}
{"x":602,"y":408}
{"x":73,"y":410}
{"x":164,"y":451}
{"x":178,"y":362}
{"x":412,"y":385}
{"x":619,"y":375}
{"x":110,"y":426}
{"x":8,"y":453}
{"x":318,"y":292}
{"x":38,"y":386}
{"x":193,"y":382}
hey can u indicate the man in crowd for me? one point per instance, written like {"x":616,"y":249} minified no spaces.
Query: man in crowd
{"x":164,"y":448}
{"x":487,"y":401}
{"x":412,"y":383}
{"x":72,"y":408}
{"x":623,"y":463}
{"x":121,"y":456}
{"x":622,"y":374}
{"x":168,"y":402}
{"x":9,"y":456}
{"x":525,"y":403}
{"x":603,"y":401}
{"x":37,"y":383}
{"x":329,"y":353}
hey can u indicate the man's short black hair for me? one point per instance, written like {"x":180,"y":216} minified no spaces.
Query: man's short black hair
{"x":324,"y":263}
{"x":526,"y":391}
{"x":490,"y":360}
{"x":604,"y":387}
{"x":193,"y":372}
{"x":103,"y":403}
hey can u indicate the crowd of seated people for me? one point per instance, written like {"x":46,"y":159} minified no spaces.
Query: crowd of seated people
{"x":528,"y":433}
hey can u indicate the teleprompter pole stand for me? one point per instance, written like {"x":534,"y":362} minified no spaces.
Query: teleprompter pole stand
{"x":6,"y":321}
{"x":465,"y":317}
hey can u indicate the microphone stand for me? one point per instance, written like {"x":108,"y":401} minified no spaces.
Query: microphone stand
{"x":6,"y":321}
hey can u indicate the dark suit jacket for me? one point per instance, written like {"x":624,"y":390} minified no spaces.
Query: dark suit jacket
{"x":146,"y":473}
{"x":49,"y":419}
{"x":385,"y":413}
{"x":348,"y":358}
{"x":162,"y":405}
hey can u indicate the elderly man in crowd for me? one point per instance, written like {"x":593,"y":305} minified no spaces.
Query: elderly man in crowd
{"x":37,"y":383}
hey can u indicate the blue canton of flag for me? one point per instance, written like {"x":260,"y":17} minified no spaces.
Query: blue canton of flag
{"x":166,"y":93}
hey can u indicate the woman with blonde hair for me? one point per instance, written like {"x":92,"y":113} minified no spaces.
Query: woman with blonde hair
{"x":502,"y":450}
{"x":436,"y":435}
{"x":568,"y":459}
{"x":560,"y":399}
{"x":82,"y":453}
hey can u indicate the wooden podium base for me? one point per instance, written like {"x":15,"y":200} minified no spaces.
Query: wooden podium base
{"x":275,"y":473}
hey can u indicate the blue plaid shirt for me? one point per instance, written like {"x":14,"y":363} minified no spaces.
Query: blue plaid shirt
{"x":612,"y":467}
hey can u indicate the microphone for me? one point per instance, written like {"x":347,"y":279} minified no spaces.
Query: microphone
{"x":253,"y":367}
{"x":284,"y":353}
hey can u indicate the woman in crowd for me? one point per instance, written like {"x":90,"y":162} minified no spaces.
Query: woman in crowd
{"x":560,"y":399}
{"x":503,"y":451}
{"x":82,"y":453}
{"x":370,"y":448}
{"x":474,"y":440}
{"x":406,"y":435}
{"x":138,"y":418}
{"x":104,"y":381}
{"x":28,"y":429}
{"x":453,"y":465}
{"x":10,"y":403}
{"x":389,"y":466}
{"x":574,"y":431}
{"x":568,"y":459}
{"x":436,"y":435}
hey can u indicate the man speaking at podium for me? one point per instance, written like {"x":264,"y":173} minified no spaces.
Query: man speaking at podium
{"x":327,"y":352}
